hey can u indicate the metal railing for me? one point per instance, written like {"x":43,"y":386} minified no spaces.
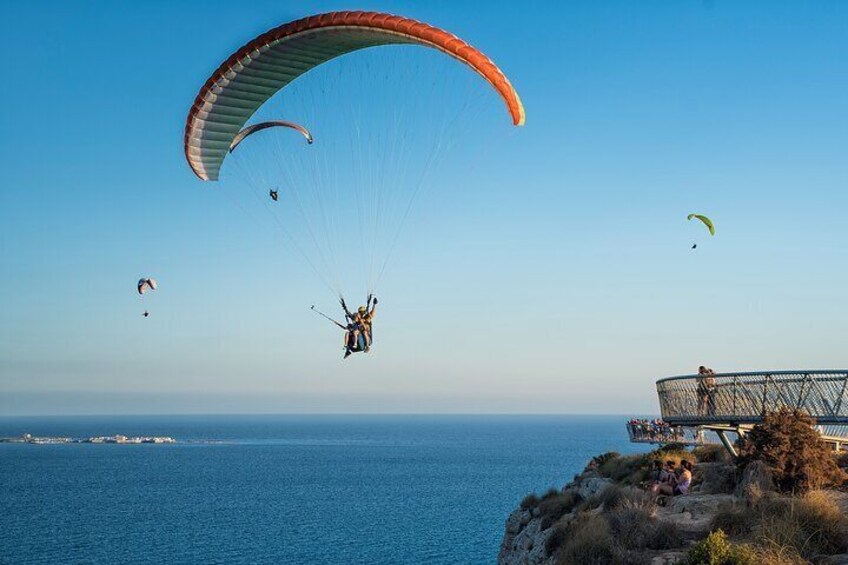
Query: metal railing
{"x":743,"y":398}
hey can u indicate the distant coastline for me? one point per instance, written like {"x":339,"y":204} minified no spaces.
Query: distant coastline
{"x":54,"y":440}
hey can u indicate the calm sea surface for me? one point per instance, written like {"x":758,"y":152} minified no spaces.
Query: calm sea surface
{"x":284,"y":489}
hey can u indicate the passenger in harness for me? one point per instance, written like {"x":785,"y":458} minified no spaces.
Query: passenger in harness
{"x":358,"y":334}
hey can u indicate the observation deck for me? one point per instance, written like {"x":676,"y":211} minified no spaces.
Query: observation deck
{"x":733,"y":402}
{"x":744,"y":398}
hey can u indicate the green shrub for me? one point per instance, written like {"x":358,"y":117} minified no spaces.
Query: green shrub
{"x":716,"y":550}
{"x":792,"y":450}
{"x":588,"y":543}
{"x":553,"y":508}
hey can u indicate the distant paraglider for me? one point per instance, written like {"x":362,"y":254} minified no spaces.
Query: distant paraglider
{"x":706,"y":221}
{"x":274,"y":194}
{"x":250,"y":130}
{"x":145,"y":286}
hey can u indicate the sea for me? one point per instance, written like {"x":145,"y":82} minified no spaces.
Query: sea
{"x":284,"y":489}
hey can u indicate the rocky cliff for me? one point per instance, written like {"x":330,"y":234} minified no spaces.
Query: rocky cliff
{"x":619,"y":522}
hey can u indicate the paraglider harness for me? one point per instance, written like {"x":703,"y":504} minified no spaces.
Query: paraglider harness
{"x":352,"y":326}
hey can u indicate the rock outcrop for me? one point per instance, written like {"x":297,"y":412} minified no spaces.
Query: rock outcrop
{"x":526,"y":539}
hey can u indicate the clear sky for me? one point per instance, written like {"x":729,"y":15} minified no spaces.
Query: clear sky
{"x":559,"y":279}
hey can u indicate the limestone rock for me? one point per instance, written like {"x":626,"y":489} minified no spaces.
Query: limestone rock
{"x":756,"y":481}
{"x":592,"y":485}
{"x":716,"y":478}
{"x":527,"y":547}
{"x":668,"y":557}
{"x":516,"y":521}
{"x":694,"y":513}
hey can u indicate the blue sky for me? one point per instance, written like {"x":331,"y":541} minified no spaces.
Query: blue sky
{"x":559,"y":279}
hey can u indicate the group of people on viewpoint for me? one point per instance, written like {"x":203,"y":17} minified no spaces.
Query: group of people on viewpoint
{"x":654,"y":431}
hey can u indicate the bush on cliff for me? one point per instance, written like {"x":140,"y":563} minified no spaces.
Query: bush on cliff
{"x":628,"y":469}
{"x":715,"y":549}
{"x":634,"y":527}
{"x":599,"y":460}
{"x":711,"y":453}
{"x":587,"y":542}
{"x":792,"y":450}
{"x":553,"y":508}
{"x":615,"y":496}
{"x":529,"y":502}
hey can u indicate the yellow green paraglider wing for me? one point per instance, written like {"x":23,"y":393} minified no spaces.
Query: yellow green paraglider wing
{"x":707,"y":222}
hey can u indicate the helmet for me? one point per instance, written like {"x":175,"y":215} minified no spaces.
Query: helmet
{"x":362,"y":309}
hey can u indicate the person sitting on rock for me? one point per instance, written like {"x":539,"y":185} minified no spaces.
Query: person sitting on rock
{"x":656,"y":477}
{"x":684,"y":481}
{"x":668,"y":479}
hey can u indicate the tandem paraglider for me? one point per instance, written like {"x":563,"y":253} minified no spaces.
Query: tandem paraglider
{"x":359,"y":327}
{"x":349,"y":196}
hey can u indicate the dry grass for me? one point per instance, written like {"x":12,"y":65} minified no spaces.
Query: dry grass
{"x":734,"y":519}
{"x":635,"y":528}
{"x":616,"y":496}
{"x":810,"y":526}
{"x":588,"y":543}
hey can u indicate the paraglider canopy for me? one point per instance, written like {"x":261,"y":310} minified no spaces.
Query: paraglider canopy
{"x":270,"y":62}
{"x":146,"y":284}
{"x":705,"y":220}
{"x":250,"y":130}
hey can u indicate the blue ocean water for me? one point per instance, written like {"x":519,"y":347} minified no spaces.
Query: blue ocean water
{"x":284,"y":489}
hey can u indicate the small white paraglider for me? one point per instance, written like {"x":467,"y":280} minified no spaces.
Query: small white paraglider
{"x":145,"y":285}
